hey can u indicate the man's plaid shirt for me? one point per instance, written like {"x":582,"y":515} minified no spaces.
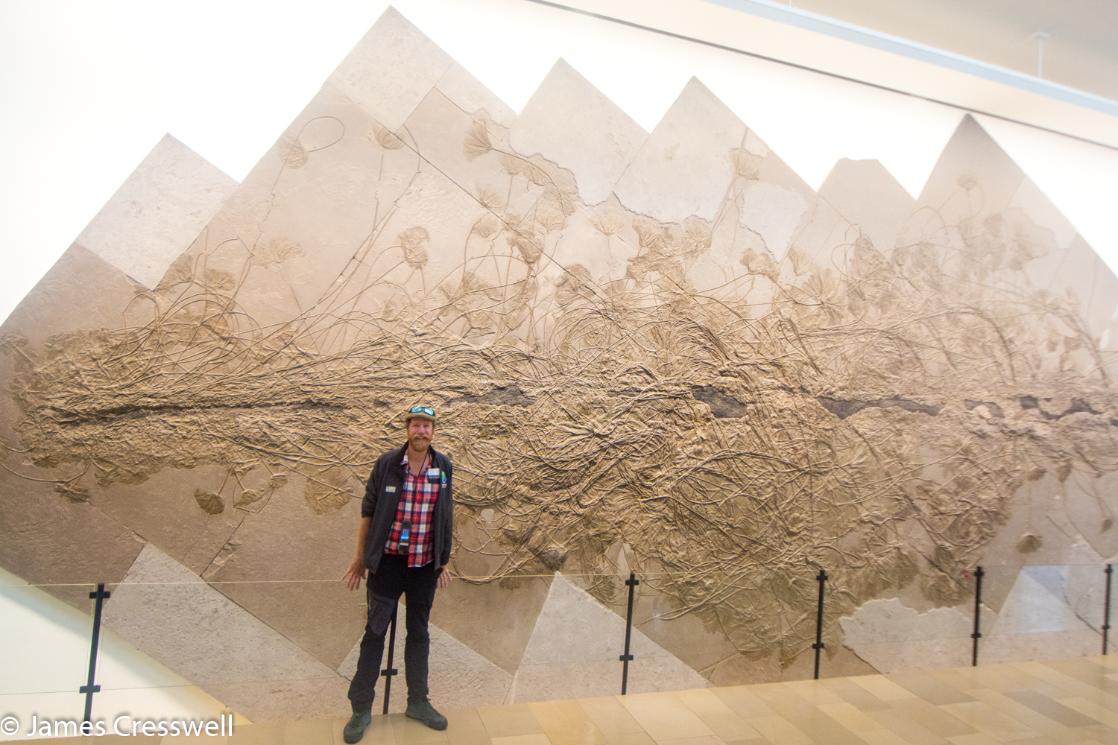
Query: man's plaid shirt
{"x":417,"y":504}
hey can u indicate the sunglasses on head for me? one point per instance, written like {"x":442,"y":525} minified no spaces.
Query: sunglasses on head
{"x":428,"y":410}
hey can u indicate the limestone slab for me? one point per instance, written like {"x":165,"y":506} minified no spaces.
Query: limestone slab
{"x":772,"y":214}
{"x":574,"y":649}
{"x":284,"y":565}
{"x":301,"y":223}
{"x":569,"y":121}
{"x":893,"y":637}
{"x":409,"y":238}
{"x":1038,"y":531}
{"x":1039,"y":619}
{"x":1035,"y":203}
{"x":472,"y":614}
{"x":391,"y":69}
{"x":62,"y":303}
{"x":49,"y":540}
{"x":157,"y":211}
{"x":467,"y":146}
{"x":458,"y":676}
{"x":869,"y":197}
{"x":1089,"y":285}
{"x":194,"y":537}
{"x":168,"y":612}
{"x":1090,"y":503}
{"x":972,"y":176}
{"x":686,"y":165}
{"x":472,"y":97}
{"x":687,"y":637}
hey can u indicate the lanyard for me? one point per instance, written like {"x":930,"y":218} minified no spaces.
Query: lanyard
{"x":409,"y":503}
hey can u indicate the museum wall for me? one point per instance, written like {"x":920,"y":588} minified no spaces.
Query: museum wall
{"x":652,"y":351}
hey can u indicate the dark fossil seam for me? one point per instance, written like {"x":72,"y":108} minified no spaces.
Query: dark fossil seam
{"x":844,"y":407}
{"x":74,"y":418}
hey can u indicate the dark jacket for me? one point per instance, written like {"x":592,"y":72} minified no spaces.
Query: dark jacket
{"x":380,"y":504}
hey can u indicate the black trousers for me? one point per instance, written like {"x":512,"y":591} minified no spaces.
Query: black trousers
{"x":383,"y":589}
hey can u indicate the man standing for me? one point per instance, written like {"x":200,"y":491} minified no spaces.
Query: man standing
{"x":403,"y":541}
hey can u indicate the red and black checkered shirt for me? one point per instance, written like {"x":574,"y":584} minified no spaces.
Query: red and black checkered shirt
{"x":417,"y":505}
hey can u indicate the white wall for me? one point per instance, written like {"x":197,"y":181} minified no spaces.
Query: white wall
{"x":90,"y":87}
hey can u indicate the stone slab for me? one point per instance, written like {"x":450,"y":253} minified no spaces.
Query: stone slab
{"x":973,"y":175}
{"x":194,"y":537}
{"x":157,"y":211}
{"x":570,"y":122}
{"x":458,"y":677}
{"x":574,"y":649}
{"x":62,"y":304}
{"x":472,"y":97}
{"x":686,"y":165}
{"x":168,"y":612}
{"x":391,"y":69}
{"x":892,"y":637}
{"x":283,"y":564}
{"x":868,"y":196}
{"x":473,"y":613}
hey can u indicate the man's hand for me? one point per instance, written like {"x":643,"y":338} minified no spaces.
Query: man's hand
{"x":444,"y":578}
{"x":354,"y":574}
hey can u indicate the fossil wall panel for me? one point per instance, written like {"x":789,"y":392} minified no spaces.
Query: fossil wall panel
{"x":97,"y":285}
{"x":660,"y":351}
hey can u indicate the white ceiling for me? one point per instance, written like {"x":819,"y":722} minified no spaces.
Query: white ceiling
{"x":975,"y":55}
{"x":1081,"y":50}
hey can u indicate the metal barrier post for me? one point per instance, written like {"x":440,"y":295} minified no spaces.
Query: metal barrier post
{"x":100,"y":595}
{"x":821,"y":578}
{"x":1106,"y":609}
{"x":388,"y":672}
{"x":978,"y":575}
{"x":626,"y":658}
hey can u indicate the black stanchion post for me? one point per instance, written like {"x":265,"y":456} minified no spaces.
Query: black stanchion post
{"x":979,"y":573}
{"x":626,"y":658}
{"x":1106,"y":609}
{"x":90,"y":688}
{"x":388,"y":672}
{"x":821,"y":578}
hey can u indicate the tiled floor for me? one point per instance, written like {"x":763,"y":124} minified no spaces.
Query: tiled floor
{"x":1029,"y":703}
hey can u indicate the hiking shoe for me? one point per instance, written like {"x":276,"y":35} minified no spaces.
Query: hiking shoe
{"x":355,"y":727}
{"x":424,"y":712}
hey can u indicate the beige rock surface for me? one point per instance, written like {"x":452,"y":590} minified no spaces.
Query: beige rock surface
{"x":459,"y":677}
{"x":168,"y":612}
{"x":496,"y":619}
{"x":870,"y":198}
{"x":972,"y":175}
{"x":62,"y":303}
{"x":892,"y":637}
{"x":685,"y":166}
{"x":570,"y":122}
{"x":286,"y":569}
{"x":1040,"y":619}
{"x":159,"y":210}
{"x":161,"y":207}
{"x":391,"y":69}
{"x":193,"y":539}
{"x":469,"y":95}
{"x":574,"y":648}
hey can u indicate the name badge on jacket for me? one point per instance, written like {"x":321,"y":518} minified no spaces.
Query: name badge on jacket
{"x":433,"y":473}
